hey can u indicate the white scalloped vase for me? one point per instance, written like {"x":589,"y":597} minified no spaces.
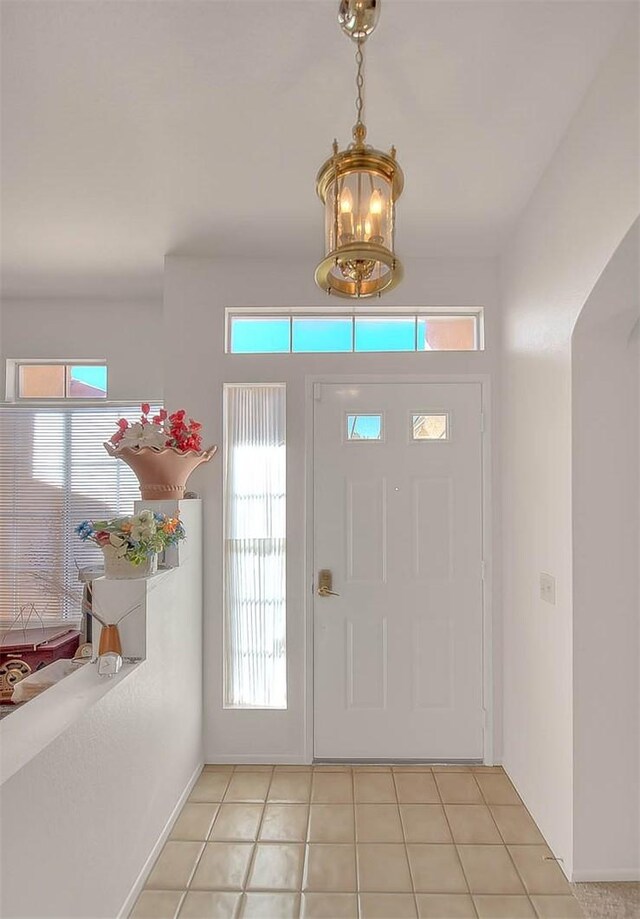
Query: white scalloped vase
{"x":121,"y":569}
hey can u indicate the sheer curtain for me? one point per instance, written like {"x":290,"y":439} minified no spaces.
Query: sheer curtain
{"x":255,"y":547}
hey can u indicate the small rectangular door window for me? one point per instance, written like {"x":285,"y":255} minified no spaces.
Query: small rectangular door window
{"x":430,"y":427}
{"x":364,"y":427}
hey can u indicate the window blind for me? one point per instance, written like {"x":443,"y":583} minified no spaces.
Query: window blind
{"x":54,"y":473}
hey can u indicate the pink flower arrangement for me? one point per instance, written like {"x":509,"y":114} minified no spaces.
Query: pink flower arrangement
{"x":160,"y":431}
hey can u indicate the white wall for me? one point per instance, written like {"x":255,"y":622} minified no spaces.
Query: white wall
{"x":127,"y":335}
{"x":80,"y":820}
{"x":606,"y":603}
{"x":581,"y":209}
{"x":196,"y":294}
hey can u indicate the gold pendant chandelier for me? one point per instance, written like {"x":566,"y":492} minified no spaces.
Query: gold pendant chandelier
{"x":359,"y":187}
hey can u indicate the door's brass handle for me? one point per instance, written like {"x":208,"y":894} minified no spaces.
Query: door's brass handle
{"x":325,"y":592}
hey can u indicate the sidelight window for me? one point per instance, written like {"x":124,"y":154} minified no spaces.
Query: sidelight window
{"x":255,"y":644}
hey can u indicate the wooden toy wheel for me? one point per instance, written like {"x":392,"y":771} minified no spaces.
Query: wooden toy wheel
{"x":12,"y":671}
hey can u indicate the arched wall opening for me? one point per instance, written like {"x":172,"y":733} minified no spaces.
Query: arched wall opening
{"x":606,"y":586}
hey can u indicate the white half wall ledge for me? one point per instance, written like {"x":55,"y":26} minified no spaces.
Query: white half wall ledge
{"x":27,"y":731}
{"x":97,"y":801}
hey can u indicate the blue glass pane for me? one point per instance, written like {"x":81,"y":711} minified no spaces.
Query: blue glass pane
{"x":259,"y":336}
{"x":88,"y":381}
{"x":423,"y":343}
{"x":322,"y":335}
{"x":364,"y":427}
{"x":385,"y":334}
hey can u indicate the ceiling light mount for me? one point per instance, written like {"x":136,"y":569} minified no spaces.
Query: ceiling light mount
{"x":358,"y":18}
{"x":359,"y":187}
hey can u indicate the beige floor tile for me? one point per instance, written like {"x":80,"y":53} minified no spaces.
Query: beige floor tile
{"x":237,"y":822}
{"x":387,"y":906}
{"x":210,"y":787}
{"x":516,"y":825}
{"x":424,"y":823}
{"x":445,"y":906}
{"x":505,"y":907}
{"x":497,"y":789}
{"x":223,"y":866}
{"x":219,"y":767}
{"x":332,"y":767}
{"x":472,"y":823}
{"x":332,"y":788}
{"x":157,"y":904}
{"x":383,"y":868}
{"x":175,"y":865}
{"x":329,"y":906}
{"x":270,"y":906}
{"x":372,"y":767}
{"x":257,"y":767}
{"x":412,"y":767}
{"x":290,"y":787}
{"x":194,"y":822}
{"x":248,"y":787}
{"x":538,"y":871}
{"x":458,"y":788}
{"x":416,"y":788}
{"x":331,"y":823}
{"x":277,"y":866}
{"x":330,"y":868}
{"x":436,"y":869}
{"x":374,"y":788}
{"x":292,"y":768}
{"x":378,"y":823}
{"x":557,"y":907}
{"x":210,"y":904}
{"x":498,"y":769}
{"x":489,"y":870}
{"x":284,"y":823}
{"x":450,"y":767}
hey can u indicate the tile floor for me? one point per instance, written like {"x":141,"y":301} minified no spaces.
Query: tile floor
{"x":368,"y":842}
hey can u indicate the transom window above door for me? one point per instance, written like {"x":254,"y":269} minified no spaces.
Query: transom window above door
{"x":306,"y":332}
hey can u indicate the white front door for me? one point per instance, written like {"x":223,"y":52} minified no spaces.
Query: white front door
{"x":398,"y":523}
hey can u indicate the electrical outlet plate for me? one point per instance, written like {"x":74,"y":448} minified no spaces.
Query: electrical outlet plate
{"x":548,"y":588}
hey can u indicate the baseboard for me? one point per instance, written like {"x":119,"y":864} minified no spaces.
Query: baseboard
{"x":588,"y":875}
{"x":134,"y":893}
{"x":250,"y":759}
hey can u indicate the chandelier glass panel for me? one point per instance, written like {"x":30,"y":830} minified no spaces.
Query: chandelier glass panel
{"x":359,"y":187}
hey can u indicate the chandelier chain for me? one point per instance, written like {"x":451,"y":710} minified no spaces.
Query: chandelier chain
{"x":360,"y":82}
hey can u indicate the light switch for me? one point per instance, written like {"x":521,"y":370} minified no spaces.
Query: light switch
{"x":548,"y":588}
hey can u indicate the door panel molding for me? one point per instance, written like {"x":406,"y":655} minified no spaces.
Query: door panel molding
{"x":313,"y":393}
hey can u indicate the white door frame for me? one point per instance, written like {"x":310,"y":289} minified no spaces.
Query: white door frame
{"x":487,"y":534}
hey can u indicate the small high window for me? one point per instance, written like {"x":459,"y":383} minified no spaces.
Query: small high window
{"x":294,"y":332}
{"x":57,"y":380}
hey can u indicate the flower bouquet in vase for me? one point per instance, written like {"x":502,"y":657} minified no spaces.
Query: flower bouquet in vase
{"x":130,"y":545}
{"x":162,"y":450}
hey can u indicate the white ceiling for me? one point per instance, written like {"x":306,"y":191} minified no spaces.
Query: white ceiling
{"x":132,"y":129}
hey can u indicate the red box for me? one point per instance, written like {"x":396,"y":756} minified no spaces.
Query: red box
{"x":23,"y":651}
